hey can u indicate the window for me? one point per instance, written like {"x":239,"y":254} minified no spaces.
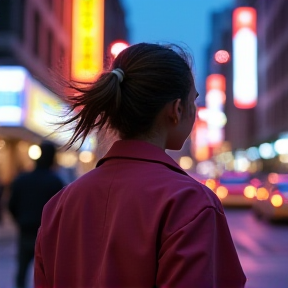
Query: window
{"x":5,"y":15}
{"x":50,"y":4}
{"x":36,"y":26}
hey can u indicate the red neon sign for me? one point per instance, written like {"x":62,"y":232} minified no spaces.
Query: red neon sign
{"x":245,"y":90}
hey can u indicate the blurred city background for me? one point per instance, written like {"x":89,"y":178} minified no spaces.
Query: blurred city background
{"x":239,"y":144}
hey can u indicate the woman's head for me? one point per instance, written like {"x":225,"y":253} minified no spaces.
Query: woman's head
{"x":154,"y":75}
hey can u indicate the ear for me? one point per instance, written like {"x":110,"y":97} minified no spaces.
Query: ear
{"x":176,"y":111}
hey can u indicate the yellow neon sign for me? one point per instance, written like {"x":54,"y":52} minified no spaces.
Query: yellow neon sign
{"x":87,"y":39}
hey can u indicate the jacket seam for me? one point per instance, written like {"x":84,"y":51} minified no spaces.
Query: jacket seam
{"x":105,"y":216}
{"x":166,"y":164}
{"x":194,"y":218}
{"x":208,"y":196}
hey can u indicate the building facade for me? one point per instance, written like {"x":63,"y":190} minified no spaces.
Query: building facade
{"x":36,"y":37}
{"x":267,"y":122}
{"x":271,"y":111}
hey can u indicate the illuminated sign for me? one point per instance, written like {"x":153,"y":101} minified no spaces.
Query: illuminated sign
{"x":214,"y":116}
{"x":87,"y":39}
{"x":12,"y":94}
{"x":26,"y":102}
{"x":199,"y":140}
{"x":215,"y":91}
{"x":44,"y":111}
{"x":245,"y":90}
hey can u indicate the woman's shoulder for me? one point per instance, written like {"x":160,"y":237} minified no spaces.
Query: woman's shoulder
{"x":199,"y":196}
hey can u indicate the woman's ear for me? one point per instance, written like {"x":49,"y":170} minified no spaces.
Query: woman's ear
{"x":174,"y":111}
{"x":177,"y":110}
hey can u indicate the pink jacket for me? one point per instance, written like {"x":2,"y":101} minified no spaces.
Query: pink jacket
{"x":137,"y":220}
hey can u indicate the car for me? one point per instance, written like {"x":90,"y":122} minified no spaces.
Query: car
{"x":236,"y":189}
{"x":271,"y":201}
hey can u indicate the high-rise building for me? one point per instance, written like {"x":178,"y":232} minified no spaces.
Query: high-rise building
{"x":270,"y":115}
{"x":36,"y":35}
{"x":271,"y":111}
{"x":267,"y":122}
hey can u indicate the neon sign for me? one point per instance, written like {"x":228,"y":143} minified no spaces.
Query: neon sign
{"x":245,"y":91}
{"x":87,"y":39}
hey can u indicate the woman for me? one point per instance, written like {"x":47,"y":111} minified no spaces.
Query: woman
{"x":137,"y":220}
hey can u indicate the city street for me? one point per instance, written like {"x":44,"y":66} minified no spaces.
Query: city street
{"x":262,"y":248}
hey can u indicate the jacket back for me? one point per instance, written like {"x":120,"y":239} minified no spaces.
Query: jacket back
{"x":137,"y":220}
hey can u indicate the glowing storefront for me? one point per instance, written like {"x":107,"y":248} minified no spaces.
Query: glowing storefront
{"x":28,"y":114}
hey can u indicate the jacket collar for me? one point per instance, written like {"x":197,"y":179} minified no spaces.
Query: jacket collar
{"x":140,"y":150}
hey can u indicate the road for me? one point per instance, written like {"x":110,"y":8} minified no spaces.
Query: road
{"x":262,"y":249}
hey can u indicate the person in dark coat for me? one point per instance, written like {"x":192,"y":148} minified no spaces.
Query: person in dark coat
{"x":137,"y":219}
{"x":29,"y":193}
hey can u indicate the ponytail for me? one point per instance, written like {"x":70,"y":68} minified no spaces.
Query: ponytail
{"x":154,"y":75}
{"x":95,"y":104}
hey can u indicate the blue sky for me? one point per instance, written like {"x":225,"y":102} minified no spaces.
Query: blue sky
{"x":177,"y":21}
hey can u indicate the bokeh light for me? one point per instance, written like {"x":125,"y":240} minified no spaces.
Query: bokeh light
{"x":250,"y":191}
{"x":186,"y":162}
{"x":34,"y":152}
{"x":211,"y":183}
{"x":273,"y":178}
{"x":118,"y":47}
{"x":262,"y":193}
{"x":86,"y":156}
{"x":2,"y":144}
{"x":67,"y":159}
{"x":277,"y":200}
{"x":222,"y":192}
{"x":222,"y":56}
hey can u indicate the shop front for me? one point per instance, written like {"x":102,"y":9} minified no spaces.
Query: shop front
{"x":29,"y":113}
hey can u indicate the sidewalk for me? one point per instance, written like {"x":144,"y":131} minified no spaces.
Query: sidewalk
{"x":8,"y":252}
{"x":8,"y":229}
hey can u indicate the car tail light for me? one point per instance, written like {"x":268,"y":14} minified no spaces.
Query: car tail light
{"x":262,"y":193}
{"x":250,"y":191}
{"x":276,"y":200}
{"x":211,"y":183}
{"x":256,"y":182}
{"x":222,"y":192}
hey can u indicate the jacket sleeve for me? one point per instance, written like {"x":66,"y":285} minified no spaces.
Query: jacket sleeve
{"x":39,"y":275}
{"x":200,"y":254}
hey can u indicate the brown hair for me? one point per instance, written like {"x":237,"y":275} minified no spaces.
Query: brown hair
{"x":153,"y":76}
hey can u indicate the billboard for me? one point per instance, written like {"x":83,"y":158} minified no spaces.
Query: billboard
{"x":245,"y":82}
{"x":214,"y":116}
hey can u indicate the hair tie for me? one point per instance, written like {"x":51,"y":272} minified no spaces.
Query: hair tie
{"x":119,"y":73}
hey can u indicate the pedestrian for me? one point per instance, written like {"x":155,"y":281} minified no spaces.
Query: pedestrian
{"x":29,"y":193}
{"x":137,"y":219}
